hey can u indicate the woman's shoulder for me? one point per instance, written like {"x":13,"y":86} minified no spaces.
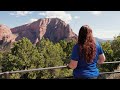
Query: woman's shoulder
{"x":76,"y":45}
{"x":97,"y":42}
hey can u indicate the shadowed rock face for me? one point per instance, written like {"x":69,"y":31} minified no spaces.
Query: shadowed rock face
{"x":5,"y":35}
{"x":52,"y":28}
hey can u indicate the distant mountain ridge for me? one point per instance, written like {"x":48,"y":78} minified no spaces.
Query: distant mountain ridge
{"x":52,"y":28}
{"x":102,"y":40}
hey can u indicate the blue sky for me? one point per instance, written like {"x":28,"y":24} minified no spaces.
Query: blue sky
{"x":105,"y":24}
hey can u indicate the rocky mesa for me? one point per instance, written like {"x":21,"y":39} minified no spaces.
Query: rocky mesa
{"x":52,"y":28}
{"x":6,"y":35}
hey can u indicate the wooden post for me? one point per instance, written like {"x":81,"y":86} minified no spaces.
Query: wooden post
{"x":7,"y":76}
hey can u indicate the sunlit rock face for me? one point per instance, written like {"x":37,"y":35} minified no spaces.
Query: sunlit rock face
{"x":6,"y":35}
{"x":52,"y":28}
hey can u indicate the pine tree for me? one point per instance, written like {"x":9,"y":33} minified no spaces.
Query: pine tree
{"x":23,"y":56}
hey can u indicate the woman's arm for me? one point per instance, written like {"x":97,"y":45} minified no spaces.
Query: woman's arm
{"x":101,"y":59}
{"x":73,"y":64}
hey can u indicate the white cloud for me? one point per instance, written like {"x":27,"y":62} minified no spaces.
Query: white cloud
{"x":58,"y":14}
{"x":76,"y":17}
{"x":96,"y":12}
{"x":21,"y":13}
{"x":31,"y":20}
{"x":43,"y":14}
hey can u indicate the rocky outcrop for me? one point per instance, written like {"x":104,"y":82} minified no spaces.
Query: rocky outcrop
{"x":6,"y":35}
{"x":52,"y":28}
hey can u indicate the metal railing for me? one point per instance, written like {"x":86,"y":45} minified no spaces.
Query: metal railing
{"x":111,"y":62}
{"x":7,"y":74}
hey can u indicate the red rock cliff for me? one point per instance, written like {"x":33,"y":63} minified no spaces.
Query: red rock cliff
{"x":52,"y":28}
{"x":6,"y":35}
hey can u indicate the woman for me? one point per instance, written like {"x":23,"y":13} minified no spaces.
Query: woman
{"x":85,"y":55}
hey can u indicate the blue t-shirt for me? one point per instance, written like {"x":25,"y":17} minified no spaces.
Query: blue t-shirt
{"x":83,"y":69}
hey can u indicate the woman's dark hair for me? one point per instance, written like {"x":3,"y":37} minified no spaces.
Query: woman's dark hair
{"x":87,"y":44}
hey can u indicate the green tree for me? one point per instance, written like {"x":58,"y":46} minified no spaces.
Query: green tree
{"x":68,"y":50}
{"x":23,"y":56}
{"x":63,"y":44}
{"x":53,"y":56}
{"x":112,"y":53}
{"x":109,"y":57}
{"x":116,"y":48}
{"x":1,"y":56}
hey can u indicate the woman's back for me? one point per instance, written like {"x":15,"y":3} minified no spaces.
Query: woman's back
{"x":84,"y":69}
{"x":86,"y":54}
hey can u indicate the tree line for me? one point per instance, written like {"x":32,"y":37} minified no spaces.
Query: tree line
{"x":24,"y":55}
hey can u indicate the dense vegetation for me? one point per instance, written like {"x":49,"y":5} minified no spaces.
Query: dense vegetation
{"x":24,"y":55}
{"x":112,"y":53}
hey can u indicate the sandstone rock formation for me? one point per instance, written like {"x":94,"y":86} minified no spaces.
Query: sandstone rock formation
{"x":52,"y":28}
{"x":6,"y":35}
